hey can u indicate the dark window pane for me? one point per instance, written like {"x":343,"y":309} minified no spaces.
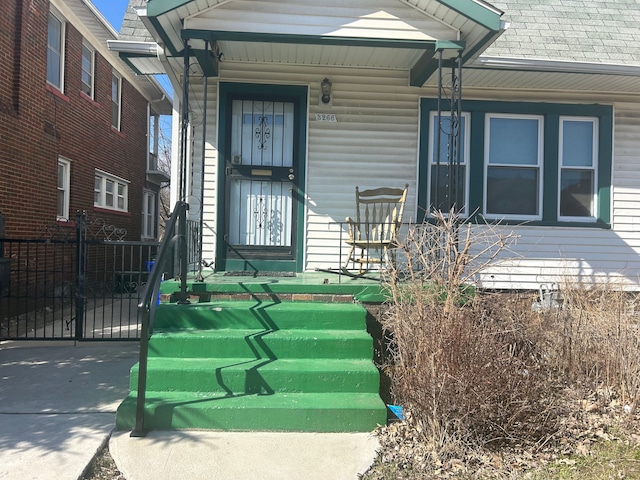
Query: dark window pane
{"x":576,"y":193}
{"x":512,"y":191}
{"x":443,"y":197}
{"x":445,"y":139}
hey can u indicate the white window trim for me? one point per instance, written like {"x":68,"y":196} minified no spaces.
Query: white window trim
{"x":463,"y":161}
{"x":115,"y":74}
{"x":63,"y":29}
{"x":539,"y":166}
{"x":66,"y":189}
{"x":89,"y":47}
{"x":594,"y":167}
{"x":102,"y":203}
{"x":145,"y":214}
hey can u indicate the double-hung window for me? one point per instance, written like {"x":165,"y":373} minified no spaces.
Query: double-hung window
{"x":578,"y":159}
{"x":448,"y":163}
{"x":55,"y":52}
{"x":540,"y":163}
{"x":513,"y":166}
{"x":116,"y":96}
{"x":148,"y":215}
{"x":64,"y":176}
{"x":110,"y":192}
{"x":88,"y":63}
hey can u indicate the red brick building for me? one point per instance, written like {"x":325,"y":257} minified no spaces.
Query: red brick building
{"x":75,"y":123}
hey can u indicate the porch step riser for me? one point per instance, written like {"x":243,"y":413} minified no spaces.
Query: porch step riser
{"x":259,"y":366}
{"x":300,"y":413}
{"x":264,"y":377}
{"x":262,"y":345}
{"x":263,"y":316}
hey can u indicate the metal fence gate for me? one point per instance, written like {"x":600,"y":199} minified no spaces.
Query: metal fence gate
{"x":81,"y":284}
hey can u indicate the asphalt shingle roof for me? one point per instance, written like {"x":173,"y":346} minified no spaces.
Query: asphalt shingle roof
{"x":596,"y":31}
{"x":132,"y":27}
{"x":593,"y":31}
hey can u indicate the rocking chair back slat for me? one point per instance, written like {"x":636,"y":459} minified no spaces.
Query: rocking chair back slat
{"x":378,"y":216}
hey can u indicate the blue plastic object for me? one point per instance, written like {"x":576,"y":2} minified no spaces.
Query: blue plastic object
{"x":397,"y":411}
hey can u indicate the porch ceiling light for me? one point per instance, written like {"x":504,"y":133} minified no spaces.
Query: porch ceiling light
{"x":325,"y":87}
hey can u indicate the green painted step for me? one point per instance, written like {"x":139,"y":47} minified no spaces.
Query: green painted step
{"x":249,"y":365}
{"x":260,"y":315}
{"x":300,"y":412}
{"x":242,"y":376}
{"x":262,"y":344}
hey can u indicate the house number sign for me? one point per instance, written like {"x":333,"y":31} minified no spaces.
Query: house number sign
{"x":326,"y":117}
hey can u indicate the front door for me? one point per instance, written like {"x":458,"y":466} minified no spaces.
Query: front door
{"x":262,"y":174}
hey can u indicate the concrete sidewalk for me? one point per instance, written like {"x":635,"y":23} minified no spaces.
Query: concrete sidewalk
{"x":207,"y":455}
{"x":58,"y":403}
{"x":57,"y":408}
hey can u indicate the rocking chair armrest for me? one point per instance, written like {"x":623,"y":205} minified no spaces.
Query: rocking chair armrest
{"x":352,"y":226}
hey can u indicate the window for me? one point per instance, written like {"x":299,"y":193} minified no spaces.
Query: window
{"x":110,"y":192}
{"x":442,"y":193}
{"x":55,"y":52}
{"x":116,"y":87}
{"x":148,"y":214}
{"x":578,"y":167}
{"x":153,"y":142}
{"x":88,"y":61}
{"x":64,"y":169}
{"x":543,"y":163}
{"x":513,"y":161}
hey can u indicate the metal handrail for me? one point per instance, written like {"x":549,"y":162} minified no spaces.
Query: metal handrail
{"x":147,"y":305}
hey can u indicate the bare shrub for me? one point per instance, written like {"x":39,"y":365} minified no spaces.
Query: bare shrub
{"x":463,"y":365}
{"x":594,"y":339}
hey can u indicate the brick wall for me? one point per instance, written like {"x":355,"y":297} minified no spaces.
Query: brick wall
{"x":39,"y":123}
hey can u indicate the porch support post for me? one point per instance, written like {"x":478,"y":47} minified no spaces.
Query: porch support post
{"x":184,"y":137}
{"x":457,"y":93}
{"x":199,"y":277}
{"x":456,"y":122}
{"x":436,"y":183}
{"x":449,"y":95}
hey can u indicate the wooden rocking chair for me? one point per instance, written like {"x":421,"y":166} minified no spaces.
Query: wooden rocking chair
{"x":378,"y":218}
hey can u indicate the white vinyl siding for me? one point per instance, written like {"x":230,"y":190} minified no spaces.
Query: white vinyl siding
{"x":363,"y":147}
{"x":375,"y":142}
{"x":55,"y":52}
{"x":543,"y":255}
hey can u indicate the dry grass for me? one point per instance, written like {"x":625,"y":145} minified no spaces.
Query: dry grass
{"x":485,"y":374}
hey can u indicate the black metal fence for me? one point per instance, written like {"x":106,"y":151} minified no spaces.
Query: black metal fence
{"x":75,"y":285}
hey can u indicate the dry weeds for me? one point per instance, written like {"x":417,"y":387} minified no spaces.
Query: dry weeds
{"x":494,"y":388}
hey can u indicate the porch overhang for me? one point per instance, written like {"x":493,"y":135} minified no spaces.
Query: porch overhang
{"x":386,"y":34}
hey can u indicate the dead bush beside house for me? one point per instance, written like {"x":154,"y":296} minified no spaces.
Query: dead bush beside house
{"x":483,"y":370}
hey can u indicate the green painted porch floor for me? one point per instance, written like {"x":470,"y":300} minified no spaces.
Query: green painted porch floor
{"x":366,"y":289}
{"x":256,"y":365}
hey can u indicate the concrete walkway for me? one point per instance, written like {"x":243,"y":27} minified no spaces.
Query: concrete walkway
{"x":57,"y":408}
{"x":206,"y":455}
{"x":58,"y":403}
